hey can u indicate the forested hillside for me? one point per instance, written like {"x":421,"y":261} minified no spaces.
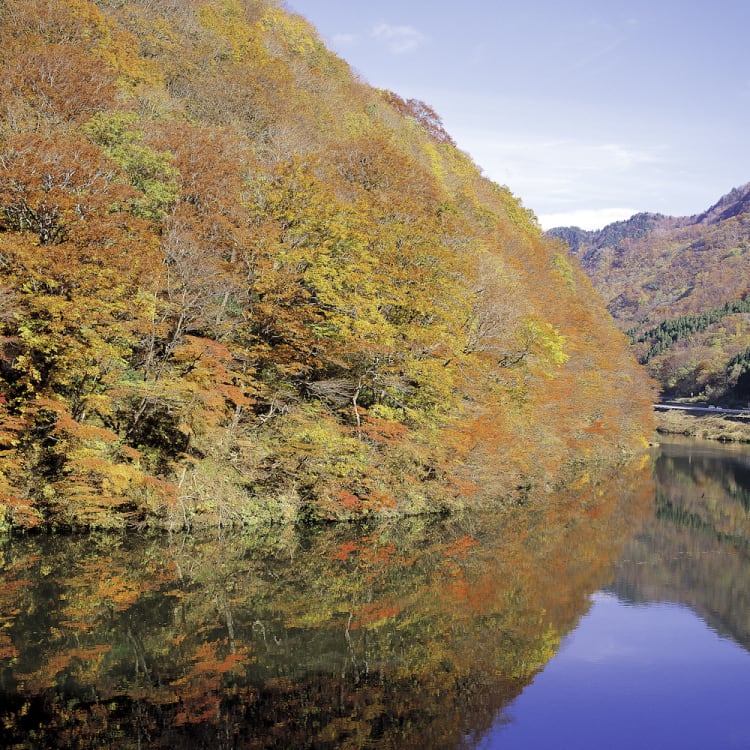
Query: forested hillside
{"x":679,"y":288}
{"x":239,"y":284}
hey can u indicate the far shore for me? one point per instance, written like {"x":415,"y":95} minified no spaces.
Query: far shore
{"x":728,"y":428}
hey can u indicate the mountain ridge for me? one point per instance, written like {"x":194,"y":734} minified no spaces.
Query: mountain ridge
{"x":731,"y":204}
{"x":677,"y":286}
{"x":734,"y":203}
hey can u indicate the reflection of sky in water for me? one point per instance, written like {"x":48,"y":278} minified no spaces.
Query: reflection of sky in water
{"x":649,"y":677}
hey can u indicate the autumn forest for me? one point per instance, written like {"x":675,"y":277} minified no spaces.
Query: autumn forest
{"x":239,"y":285}
{"x":678,"y":287}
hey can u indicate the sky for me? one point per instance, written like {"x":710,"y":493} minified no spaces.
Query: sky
{"x":588,"y":110}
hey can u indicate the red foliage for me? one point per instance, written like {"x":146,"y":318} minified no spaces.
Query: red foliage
{"x":345,"y":550}
{"x":347,"y":500}
{"x":461,"y":548}
{"x":423,"y":114}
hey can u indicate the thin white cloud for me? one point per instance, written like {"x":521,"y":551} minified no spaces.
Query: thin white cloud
{"x":398,"y":39}
{"x":345,"y":40}
{"x":565,"y":181}
{"x":622,"y":157}
{"x":590,"y":219}
{"x":588,"y":59}
{"x":552,"y":156}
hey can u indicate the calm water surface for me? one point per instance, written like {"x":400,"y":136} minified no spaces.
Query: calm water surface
{"x":634,"y":676}
{"x":661,"y":659}
{"x":615,"y":615}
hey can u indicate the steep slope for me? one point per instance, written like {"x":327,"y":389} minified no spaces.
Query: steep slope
{"x":679,"y":287}
{"x":240,"y":284}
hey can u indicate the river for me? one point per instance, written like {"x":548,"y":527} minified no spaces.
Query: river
{"x":615,"y":614}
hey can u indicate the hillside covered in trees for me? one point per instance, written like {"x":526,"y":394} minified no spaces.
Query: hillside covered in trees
{"x":239,"y":284}
{"x":679,"y":288}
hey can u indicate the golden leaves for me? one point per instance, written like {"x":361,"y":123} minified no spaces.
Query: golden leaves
{"x":229,"y":264}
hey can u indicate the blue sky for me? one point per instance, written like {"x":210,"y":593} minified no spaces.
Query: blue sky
{"x":587,"y":110}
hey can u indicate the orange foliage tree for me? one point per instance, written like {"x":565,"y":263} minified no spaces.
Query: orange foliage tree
{"x":238,"y":283}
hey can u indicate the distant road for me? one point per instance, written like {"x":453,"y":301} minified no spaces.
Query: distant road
{"x":666,"y":406}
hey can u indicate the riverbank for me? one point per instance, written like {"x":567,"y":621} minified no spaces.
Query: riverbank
{"x":723,"y":427}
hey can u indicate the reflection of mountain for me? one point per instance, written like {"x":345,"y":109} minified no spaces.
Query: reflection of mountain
{"x":415,"y":635}
{"x":696,"y":549}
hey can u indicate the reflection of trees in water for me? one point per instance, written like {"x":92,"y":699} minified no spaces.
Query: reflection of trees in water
{"x":411,"y":635}
{"x":695,"y":550}
{"x":726,"y":476}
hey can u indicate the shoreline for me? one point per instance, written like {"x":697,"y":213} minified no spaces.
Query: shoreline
{"x":725,"y":428}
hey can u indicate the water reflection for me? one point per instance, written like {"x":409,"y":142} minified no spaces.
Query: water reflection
{"x":419,"y":634}
{"x":634,"y":676}
{"x":413,"y":635}
{"x":695,"y":549}
{"x":661,"y":659}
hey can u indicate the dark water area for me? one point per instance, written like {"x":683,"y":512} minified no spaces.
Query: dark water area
{"x":615,"y":614}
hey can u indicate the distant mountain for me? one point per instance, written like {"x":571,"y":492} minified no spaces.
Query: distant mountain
{"x":634,"y":227}
{"x":734,"y":203}
{"x":679,"y":286}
